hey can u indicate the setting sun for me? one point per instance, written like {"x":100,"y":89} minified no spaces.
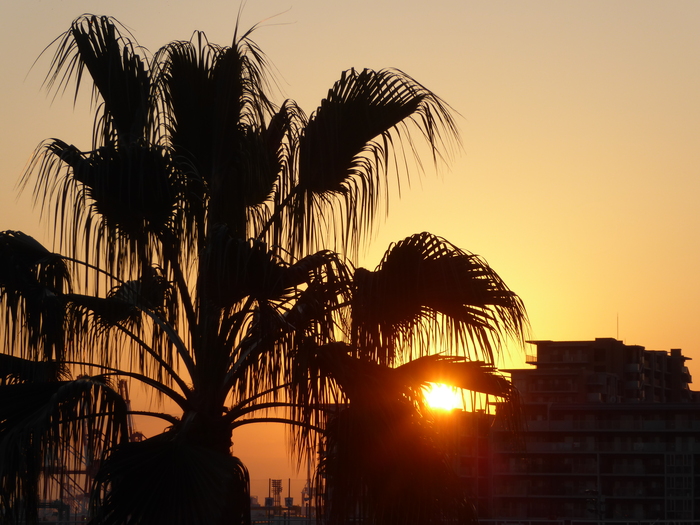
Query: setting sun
{"x":443,"y":397}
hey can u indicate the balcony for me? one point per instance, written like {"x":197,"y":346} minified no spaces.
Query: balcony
{"x":567,"y":385}
{"x":560,"y":447}
{"x":633,"y":367}
{"x":611,"y":425}
{"x":597,"y":380}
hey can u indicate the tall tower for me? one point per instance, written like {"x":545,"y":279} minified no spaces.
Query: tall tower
{"x":276,"y":485}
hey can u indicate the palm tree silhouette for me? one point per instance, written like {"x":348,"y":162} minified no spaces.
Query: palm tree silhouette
{"x":208,"y":236}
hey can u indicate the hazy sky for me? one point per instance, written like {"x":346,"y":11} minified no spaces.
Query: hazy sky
{"x":580,"y":123}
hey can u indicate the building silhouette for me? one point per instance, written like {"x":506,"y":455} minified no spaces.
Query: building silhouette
{"x":612,"y":432}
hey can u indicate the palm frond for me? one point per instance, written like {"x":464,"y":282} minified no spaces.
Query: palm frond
{"x":185,"y":85}
{"x":32,"y":281}
{"x":278,"y":354}
{"x":325,"y":378}
{"x":456,"y":371}
{"x":349,"y":145}
{"x":118,"y":73}
{"x":17,"y":370}
{"x":274,"y":348}
{"x":187,"y":97}
{"x":215,"y":113}
{"x":50,"y":428}
{"x":117,"y":328}
{"x":121,"y":197}
{"x":426,"y":289}
{"x":236,"y":269}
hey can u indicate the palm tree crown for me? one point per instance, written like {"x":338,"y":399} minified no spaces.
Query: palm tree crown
{"x":207,"y":238}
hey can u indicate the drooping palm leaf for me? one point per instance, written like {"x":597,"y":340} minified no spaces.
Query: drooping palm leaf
{"x":283,"y":326}
{"x":117,"y":72}
{"x":215,"y":112}
{"x":475,"y":376}
{"x":368,"y":382}
{"x":122,"y":197}
{"x":32,"y":280}
{"x":132,"y":187}
{"x":116,"y":327}
{"x":48,"y":429}
{"x":274,"y":363}
{"x":18,"y":370}
{"x":426,"y":288}
{"x":456,"y":371}
{"x":347,"y":146}
{"x":238,"y":269}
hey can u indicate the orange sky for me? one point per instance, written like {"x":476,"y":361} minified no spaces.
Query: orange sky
{"x":578,"y":179}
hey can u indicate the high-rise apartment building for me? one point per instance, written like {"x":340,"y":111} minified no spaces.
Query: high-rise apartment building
{"x":612,"y":433}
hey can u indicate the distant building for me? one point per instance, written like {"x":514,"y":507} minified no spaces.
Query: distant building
{"x":613,"y":433}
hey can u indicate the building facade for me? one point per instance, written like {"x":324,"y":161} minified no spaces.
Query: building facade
{"x":612,"y":433}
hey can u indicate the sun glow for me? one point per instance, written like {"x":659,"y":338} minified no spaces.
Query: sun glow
{"x":443,"y":397}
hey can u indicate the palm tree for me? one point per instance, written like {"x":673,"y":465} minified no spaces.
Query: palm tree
{"x":208,"y":236}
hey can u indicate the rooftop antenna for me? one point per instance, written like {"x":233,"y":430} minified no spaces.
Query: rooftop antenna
{"x":617,"y":334}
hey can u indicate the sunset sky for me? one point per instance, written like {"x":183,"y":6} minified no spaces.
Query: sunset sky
{"x":578,"y":178}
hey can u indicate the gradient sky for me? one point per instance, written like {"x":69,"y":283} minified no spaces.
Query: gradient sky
{"x":580,"y":123}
